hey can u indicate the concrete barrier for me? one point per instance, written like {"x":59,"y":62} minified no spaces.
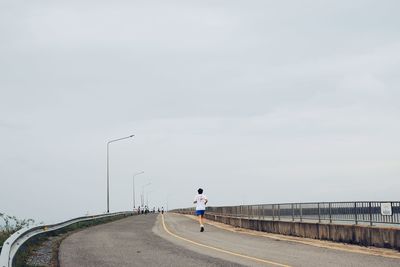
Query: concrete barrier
{"x":384,"y":237}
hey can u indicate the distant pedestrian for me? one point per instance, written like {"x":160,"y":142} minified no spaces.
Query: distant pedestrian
{"x":162,"y":210}
{"x":200,"y":200}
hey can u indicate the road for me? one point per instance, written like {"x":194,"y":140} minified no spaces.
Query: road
{"x":175,"y":240}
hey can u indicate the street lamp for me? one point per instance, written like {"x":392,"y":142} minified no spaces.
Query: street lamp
{"x":168,"y":197}
{"x":167,"y":202}
{"x":142,"y":198}
{"x":133,"y":194}
{"x":108,"y":168}
{"x":147,"y":198}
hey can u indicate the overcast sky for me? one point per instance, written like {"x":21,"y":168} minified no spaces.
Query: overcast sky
{"x":255,"y":101}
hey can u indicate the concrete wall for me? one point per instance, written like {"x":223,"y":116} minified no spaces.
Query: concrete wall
{"x":385,"y":237}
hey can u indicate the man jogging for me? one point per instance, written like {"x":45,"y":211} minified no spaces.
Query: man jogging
{"x":200,"y":200}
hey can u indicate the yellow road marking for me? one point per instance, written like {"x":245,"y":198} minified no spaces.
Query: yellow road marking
{"x":336,"y":246}
{"x":219,"y":249}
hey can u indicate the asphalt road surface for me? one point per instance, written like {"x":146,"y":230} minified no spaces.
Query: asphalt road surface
{"x":175,"y":240}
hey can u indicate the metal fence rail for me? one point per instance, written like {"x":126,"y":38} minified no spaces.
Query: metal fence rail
{"x":370,"y":212}
{"x":15,"y":241}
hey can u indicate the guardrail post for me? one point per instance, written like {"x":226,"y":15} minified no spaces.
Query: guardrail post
{"x":263,"y":211}
{"x":370,"y":213}
{"x":355,"y":212}
{"x":279,"y":212}
{"x":319,"y":214}
{"x":292,"y":212}
{"x":301,"y":213}
{"x":273,"y":212}
{"x":330,"y":212}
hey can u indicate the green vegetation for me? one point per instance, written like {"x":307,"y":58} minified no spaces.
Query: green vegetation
{"x":3,"y":237}
{"x":11,"y":224}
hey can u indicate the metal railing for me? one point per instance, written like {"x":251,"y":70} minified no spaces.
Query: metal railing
{"x":15,"y":241}
{"x":366,"y":212}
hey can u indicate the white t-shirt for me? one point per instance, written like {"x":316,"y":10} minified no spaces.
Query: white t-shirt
{"x":200,"y":201}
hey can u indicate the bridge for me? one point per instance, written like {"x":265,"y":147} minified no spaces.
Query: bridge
{"x":234,"y":236}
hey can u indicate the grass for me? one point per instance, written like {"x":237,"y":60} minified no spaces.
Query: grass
{"x":11,"y":224}
{"x":3,"y":237}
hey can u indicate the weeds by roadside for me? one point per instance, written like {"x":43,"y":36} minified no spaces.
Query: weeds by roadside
{"x":11,"y":224}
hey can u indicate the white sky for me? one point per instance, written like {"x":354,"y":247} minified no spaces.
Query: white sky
{"x":255,"y":101}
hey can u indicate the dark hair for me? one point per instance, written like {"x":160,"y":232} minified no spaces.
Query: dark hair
{"x":200,"y":191}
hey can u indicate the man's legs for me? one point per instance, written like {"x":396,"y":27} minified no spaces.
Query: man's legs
{"x":201,"y":221}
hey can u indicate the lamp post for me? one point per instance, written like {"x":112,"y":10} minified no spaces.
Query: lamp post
{"x":108,"y":168}
{"x":147,"y":198}
{"x":133,"y":192}
{"x":167,"y":203}
{"x":168,"y":197}
{"x":142,"y":198}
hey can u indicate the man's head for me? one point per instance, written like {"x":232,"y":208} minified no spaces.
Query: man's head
{"x":200,"y":191}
